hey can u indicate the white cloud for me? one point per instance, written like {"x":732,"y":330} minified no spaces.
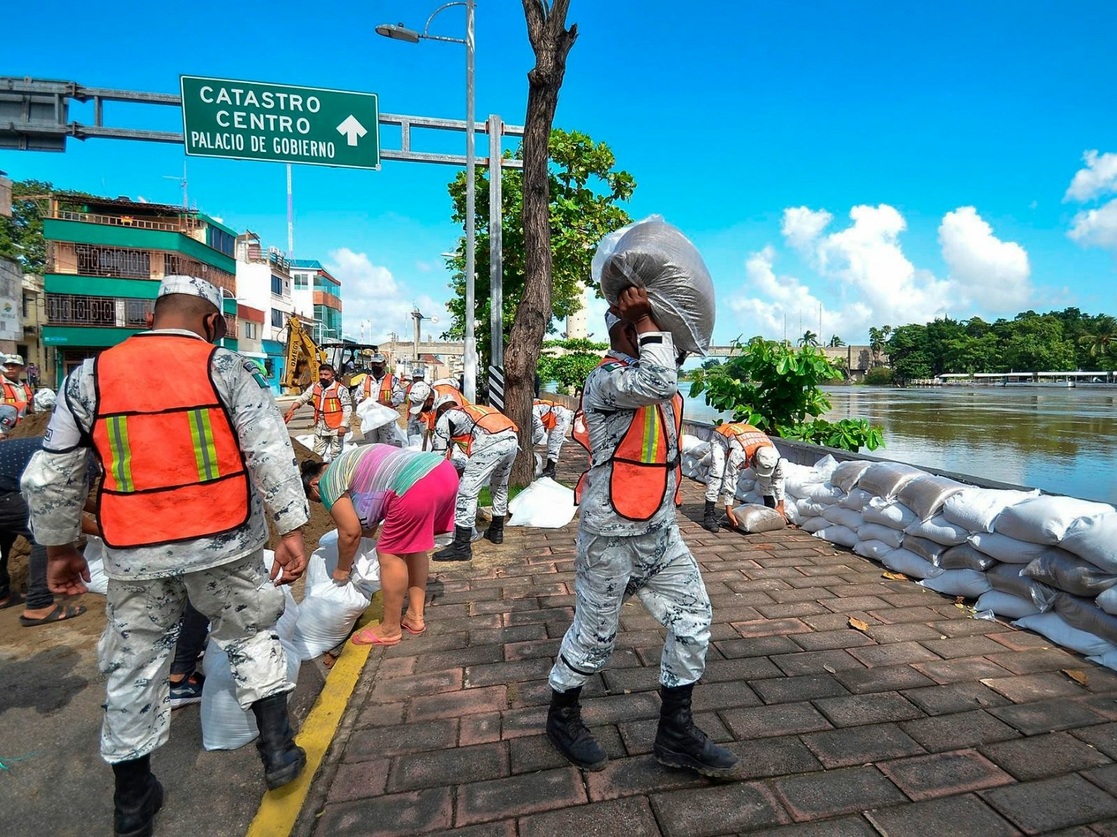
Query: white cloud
{"x":988,"y":273}
{"x":1098,"y":178}
{"x":371,"y":294}
{"x":1097,"y":227}
{"x":801,"y":226}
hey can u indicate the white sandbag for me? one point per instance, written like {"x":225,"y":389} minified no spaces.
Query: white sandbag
{"x":373,"y":415}
{"x":878,"y":532}
{"x":791,"y":510}
{"x":1107,"y":600}
{"x":329,"y":610}
{"x":1086,"y":616}
{"x":885,"y":479}
{"x":876,"y":550}
{"x":968,"y":583}
{"x":924,"y":548}
{"x":888,"y":513}
{"x":306,"y":440}
{"x":285,"y":625}
{"x":545,"y":504}
{"x":856,"y":499}
{"x":975,"y":509}
{"x":910,"y":564}
{"x":753,"y":498}
{"x":847,"y":474}
{"x":44,"y":399}
{"x":753,"y":519}
{"x":1056,"y":629}
{"x":841,"y":535}
{"x":826,"y":466}
{"x":926,"y":494}
{"x":964,"y":556}
{"x":1108,"y":659}
{"x":1046,"y":519}
{"x":808,"y":507}
{"x":1004,"y":548}
{"x":689,"y":443}
{"x":95,"y":559}
{"x":653,"y":254}
{"x":1008,"y":578}
{"x":1064,"y":571}
{"x":798,"y":477}
{"x":938,"y":529}
{"x":1095,"y":539}
{"x":814,"y":524}
{"x":225,"y":725}
{"x":821,"y":492}
{"x":844,"y":517}
{"x":1006,"y":605}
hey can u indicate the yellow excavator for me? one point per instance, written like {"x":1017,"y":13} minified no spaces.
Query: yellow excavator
{"x":304,"y":356}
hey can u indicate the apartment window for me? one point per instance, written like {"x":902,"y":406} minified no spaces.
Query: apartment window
{"x":113,"y":261}
{"x":221,"y":241}
{"x":278,"y":319}
{"x":71,"y":309}
{"x":251,"y":330}
{"x":301,"y":282}
{"x":138,"y":312}
{"x":277,"y":285}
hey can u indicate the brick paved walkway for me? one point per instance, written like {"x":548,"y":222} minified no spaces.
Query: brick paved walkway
{"x":931,"y":723}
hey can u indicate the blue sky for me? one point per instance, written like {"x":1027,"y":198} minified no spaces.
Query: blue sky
{"x":885,"y":162}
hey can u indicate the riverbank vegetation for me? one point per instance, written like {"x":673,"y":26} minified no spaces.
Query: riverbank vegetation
{"x":777,"y":388}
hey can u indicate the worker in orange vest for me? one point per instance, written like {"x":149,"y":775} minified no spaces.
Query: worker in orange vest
{"x":16,"y":392}
{"x":190,"y":461}
{"x":333,"y":407}
{"x":488,"y":438}
{"x":733,"y":446}
{"x":629,"y":543}
{"x":550,"y":423}
{"x":385,"y":388}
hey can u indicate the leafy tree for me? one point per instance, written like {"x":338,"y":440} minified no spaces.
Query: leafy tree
{"x":1101,"y":341}
{"x":879,"y":376}
{"x":570,"y":369}
{"x":710,"y":363}
{"x":775,"y":387}
{"x":878,"y":337}
{"x":21,"y":236}
{"x":836,"y":342}
{"x":809,"y":338}
{"x":1034,"y":343}
{"x":908,"y":354}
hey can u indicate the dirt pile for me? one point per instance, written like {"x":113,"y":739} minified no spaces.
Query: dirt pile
{"x":32,"y":425}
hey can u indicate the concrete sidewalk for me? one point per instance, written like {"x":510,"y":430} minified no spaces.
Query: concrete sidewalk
{"x":929,"y":723}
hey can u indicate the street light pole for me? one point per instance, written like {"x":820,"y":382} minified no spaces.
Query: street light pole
{"x":402,"y":33}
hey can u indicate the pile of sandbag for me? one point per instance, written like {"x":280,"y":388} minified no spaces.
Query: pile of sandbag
{"x":545,"y":504}
{"x":1047,"y":562}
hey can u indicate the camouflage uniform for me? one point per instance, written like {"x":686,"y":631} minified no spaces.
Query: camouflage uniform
{"x":223,"y":575}
{"x":721,"y":480}
{"x":617,"y":558}
{"x":490,"y":462}
{"x":557,"y":435}
{"x":327,"y":440}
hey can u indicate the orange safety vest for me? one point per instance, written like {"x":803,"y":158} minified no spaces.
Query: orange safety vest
{"x":173,"y":468}
{"x":488,"y":419}
{"x":18,"y":395}
{"x":549,"y":418}
{"x":330,"y":406}
{"x":640,"y":462}
{"x":749,"y":437}
{"x":387,"y":384}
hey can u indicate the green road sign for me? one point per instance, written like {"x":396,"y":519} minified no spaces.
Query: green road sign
{"x":281,"y":123}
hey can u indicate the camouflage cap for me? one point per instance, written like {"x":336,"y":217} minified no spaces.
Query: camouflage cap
{"x":191,"y":286}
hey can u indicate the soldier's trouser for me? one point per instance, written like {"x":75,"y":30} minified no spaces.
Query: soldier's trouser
{"x":722,"y":476}
{"x":386,"y":435}
{"x":489,"y":464}
{"x":327,"y":446}
{"x":659,"y":569}
{"x":142,"y":624}
{"x":556,"y":436}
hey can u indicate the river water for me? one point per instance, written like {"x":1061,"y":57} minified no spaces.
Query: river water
{"x":1058,"y":439}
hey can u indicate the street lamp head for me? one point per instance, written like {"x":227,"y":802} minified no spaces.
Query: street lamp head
{"x":398,"y":32}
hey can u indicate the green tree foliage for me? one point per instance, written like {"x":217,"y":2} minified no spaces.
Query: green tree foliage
{"x":571,"y":368}
{"x":586,"y":190}
{"x":879,"y":376}
{"x":836,"y":342}
{"x":909,"y":355}
{"x":878,"y":338}
{"x":21,"y":236}
{"x":775,"y":387}
{"x":809,"y":338}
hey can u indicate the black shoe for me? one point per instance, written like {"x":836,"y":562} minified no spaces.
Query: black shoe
{"x":569,"y":735}
{"x":137,"y":800}
{"x":549,"y":471}
{"x":495,"y":532}
{"x":283,"y":759}
{"x":679,"y":743}
{"x":460,"y":549}
{"x":710,"y":517}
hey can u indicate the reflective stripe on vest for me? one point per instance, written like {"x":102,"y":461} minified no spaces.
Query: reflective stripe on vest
{"x":639,"y":481}
{"x":384,"y":396}
{"x":173,"y":468}
{"x":329,"y":406}
{"x":748,"y":437}
{"x":18,"y":395}
{"x":488,"y":419}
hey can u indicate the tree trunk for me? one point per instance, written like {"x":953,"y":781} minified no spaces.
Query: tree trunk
{"x":551,"y":42}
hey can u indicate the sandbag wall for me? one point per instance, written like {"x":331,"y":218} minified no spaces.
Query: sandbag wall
{"x":1049,"y":563}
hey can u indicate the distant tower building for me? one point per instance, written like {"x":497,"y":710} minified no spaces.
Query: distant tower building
{"x":577,"y":324}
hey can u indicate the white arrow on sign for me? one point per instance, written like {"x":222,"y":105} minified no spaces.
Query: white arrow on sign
{"x":352,"y":129}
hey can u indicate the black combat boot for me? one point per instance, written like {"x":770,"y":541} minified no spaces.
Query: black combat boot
{"x":710,"y":517}
{"x":569,"y":735}
{"x":679,"y":743}
{"x":549,"y":471}
{"x":495,"y":532}
{"x":460,"y":549}
{"x":283,"y":759}
{"x":138,"y":797}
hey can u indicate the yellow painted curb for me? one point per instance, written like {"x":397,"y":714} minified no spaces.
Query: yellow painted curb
{"x":279,"y":809}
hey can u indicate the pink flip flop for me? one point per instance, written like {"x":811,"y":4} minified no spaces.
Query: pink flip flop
{"x":365,"y":637}
{"x":411,"y":630}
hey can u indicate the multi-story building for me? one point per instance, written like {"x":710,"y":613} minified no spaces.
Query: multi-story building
{"x":264,"y":284}
{"x":105,"y":259}
{"x":318,"y":294}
